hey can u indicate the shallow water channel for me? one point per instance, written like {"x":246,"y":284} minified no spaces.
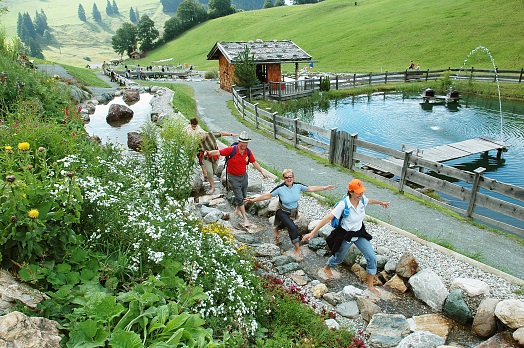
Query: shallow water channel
{"x":116,"y":133}
{"x":397,"y":119}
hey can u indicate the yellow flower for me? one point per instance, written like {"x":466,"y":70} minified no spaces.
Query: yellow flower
{"x":8,"y":148}
{"x":23,"y":146}
{"x":33,"y":213}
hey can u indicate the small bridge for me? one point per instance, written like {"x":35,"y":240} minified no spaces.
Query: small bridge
{"x":452,"y":151}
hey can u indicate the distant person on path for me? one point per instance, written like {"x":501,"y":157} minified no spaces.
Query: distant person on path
{"x":288,"y":195}
{"x":209,"y":143}
{"x":418,"y":66}
{"x":138,"y":72}
{"x":237,"y":171}
{"x":127,"y":72}
{"x":194,"y":129}
{"x":350,"y":230}
{"x":411,"y":65}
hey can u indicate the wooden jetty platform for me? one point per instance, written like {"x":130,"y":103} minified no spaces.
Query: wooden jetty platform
{"x":460,"y":149}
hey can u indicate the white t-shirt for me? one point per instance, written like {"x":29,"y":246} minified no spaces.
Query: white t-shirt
{"x":352,"y":222}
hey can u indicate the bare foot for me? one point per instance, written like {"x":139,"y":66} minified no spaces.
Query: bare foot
{"x":246,"y":223}
{"x":328,"y":272}
{"x":298,"y":255}
{"x":211,"y":191}
{"x":374,"y":290}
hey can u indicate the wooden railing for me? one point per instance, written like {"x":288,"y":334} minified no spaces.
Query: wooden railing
{"x":350,"y":152}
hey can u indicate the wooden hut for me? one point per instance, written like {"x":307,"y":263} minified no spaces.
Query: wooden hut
{"x":268,"y":57}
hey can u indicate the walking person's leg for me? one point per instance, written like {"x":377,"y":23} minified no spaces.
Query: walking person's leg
{"x":292,"y":230}
{"x":338,"y":258}
{"x":366,"y":248}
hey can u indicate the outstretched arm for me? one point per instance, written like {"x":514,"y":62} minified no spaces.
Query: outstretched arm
{"x":321,"y":224}
{"x":319,"y":188}
{"x":262,"y":197}
{"x":211,"y":153}
{"x":228,"y":134}
{"x":259,"y":168}
{"x":374,"y":201}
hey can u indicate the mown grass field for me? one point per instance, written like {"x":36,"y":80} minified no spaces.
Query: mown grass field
{"x":374,"y":36}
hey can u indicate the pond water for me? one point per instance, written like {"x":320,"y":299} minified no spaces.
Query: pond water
{"x":398,"y":119}
{"x":116,"y":132}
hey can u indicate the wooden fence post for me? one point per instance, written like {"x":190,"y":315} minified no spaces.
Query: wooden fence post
{"x":474,"y":190}
{"x":406,"y":76}
{"x":295,"y":136}
{"x":521,"y":72}
{"x":332,"y":145}
{"x":243,"y":107}
{"x":352,"y":149}
{"x":336,"y":81}
{"x":354,"y":80}
{"x":370,"y":74}
{"x":274,"y":116}
{"x":427,"y":74}
{"x":256,"y":115}
{"x":386,"y":78}
{"x":403,"y":173}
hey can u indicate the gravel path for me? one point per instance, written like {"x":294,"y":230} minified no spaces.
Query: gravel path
{"x":498,"y":251}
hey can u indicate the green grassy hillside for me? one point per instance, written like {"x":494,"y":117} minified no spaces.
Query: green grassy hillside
{"x":375,"y":35}
{"x":75,"y":39}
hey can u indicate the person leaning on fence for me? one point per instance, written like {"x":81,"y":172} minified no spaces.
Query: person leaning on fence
{"x":236,"y":171}
{"x":209,"y":142}
{"x":351,"y":230}
{"x":288,"y":196}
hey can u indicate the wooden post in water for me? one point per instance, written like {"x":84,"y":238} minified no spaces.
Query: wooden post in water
{"x":403,"y":173}
{"x":332,"y":145}
{"x":474,"y":190}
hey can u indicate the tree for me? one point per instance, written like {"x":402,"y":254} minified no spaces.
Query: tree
{"x":115,"y":8}
{"x":81,"y":13}
{"x":172,"y":28}
{"x":220,"y":8}
{"x":97,"y":17}
{"x":27,"y":29}
{"x":109,"y":8}
{"x":132,"y":16}
{"x":268,"y":4}
{"x":125,"y":39}
{"x":19,"y":23}
{"x":137,"y":15}
{"x":191,"y":12}
{"x":146,"y":33}
{"x":279,"y":3}
{"x":34,"y":49}
{"x":245,"y":70}
{"x":40,"y":23}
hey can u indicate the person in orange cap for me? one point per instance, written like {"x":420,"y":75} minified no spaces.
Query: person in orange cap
{"x":351,"y":212}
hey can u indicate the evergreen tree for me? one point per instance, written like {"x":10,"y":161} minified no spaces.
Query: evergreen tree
{"x":115,"y":8}
{"x":40,"y":23}
{"x":28,"y":29}
{"x":137,"y":15}
{"x":19,"y":24}
{"x":97,"y":17}
{"x":132,"y":16}
{"x":279,"y":3}
{"x":268,"y":4}
{"x":109,"y":8}
{"x":34,"y":49}
{"x":246,"y":70}
{"x":81,"y":13}
{"x":220,"y":8}
{"x":146,"y":33}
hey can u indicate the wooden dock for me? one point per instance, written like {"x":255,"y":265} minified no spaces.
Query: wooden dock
{"x":452,"y":151}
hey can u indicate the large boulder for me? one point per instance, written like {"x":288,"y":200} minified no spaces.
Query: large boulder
{"x":131,"y":96}
{"x":134,"y":140}
{"x":19,"y":330}
{"x":119,"y":112}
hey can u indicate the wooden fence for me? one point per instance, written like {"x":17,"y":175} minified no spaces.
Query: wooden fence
{"x":350,"y":152}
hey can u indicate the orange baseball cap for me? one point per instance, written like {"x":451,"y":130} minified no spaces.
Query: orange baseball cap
{"x":356,"y":186}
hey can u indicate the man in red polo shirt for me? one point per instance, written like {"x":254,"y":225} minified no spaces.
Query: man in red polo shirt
{"x":237,"y":171}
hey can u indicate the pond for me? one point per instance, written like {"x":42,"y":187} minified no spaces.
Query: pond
{"x":397,"y":119}
{"x":116,"y":133}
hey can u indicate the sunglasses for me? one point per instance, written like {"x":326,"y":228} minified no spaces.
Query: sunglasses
{"x":288,"y":177}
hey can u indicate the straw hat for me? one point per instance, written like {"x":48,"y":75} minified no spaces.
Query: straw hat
{"x":243,"y":137}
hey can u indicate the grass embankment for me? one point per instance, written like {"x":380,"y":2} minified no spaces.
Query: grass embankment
{"x":373,"y":36}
